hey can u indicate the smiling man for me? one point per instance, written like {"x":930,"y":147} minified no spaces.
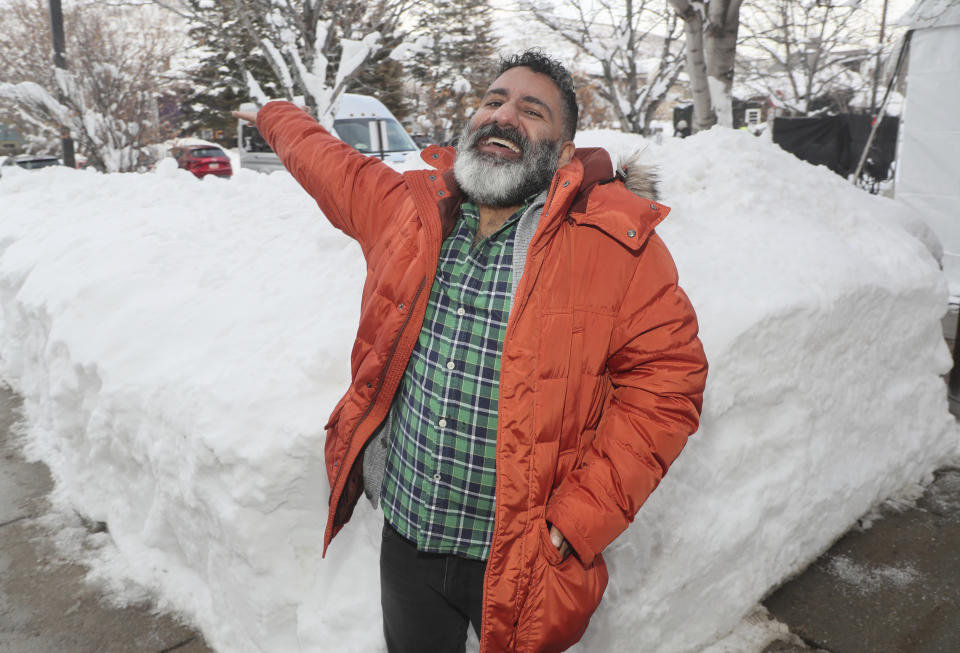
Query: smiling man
{"x":526,"y":367}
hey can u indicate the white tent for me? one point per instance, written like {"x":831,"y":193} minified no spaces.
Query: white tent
{"x":928,"y":163}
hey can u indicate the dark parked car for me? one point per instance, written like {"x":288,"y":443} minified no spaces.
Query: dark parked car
{"x":422,"y":140}
{"x":202,"y":160}
{"x":29,"y":162}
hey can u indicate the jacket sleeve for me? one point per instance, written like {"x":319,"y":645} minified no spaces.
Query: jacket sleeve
{"x":354,"y":191}
{"x":658,"y":370}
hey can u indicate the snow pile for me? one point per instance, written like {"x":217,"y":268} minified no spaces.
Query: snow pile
{"x":755,"y":631}
{"x":869,"y":578}
{"x":821,"y":321}
{"x":179,"y":344}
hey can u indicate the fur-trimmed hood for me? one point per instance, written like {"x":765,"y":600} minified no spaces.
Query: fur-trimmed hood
{"x":640,"y":179}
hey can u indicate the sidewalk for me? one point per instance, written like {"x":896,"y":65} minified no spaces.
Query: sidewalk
{"x":891,"y":588}
{"x":45,"y":605}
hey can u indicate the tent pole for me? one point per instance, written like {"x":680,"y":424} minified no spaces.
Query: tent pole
{"x":883,"y":105}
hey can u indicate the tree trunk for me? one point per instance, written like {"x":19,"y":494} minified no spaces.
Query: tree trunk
{"x":721,"y":47}
{"x":704,"y":116}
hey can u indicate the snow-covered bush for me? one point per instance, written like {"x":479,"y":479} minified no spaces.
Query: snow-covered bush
{"x":118,"y":64}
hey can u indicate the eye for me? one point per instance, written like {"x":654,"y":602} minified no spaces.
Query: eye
{"x":531,"y":112}
{"x":494,"y":103}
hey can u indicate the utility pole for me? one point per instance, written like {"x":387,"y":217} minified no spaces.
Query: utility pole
{"x":60,"y":61}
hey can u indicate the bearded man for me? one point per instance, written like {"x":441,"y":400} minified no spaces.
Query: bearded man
{"x":525,"y":369}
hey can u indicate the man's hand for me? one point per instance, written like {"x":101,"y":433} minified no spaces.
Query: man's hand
{"x":249,"y":116}
{"x":559,"y":541}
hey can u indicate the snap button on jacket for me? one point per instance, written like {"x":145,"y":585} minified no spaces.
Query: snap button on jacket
{"x":602,"y":373}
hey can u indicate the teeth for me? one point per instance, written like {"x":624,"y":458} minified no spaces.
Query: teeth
{"x":507,"y":144}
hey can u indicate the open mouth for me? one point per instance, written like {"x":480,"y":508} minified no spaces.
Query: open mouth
{"x":502,"y":142}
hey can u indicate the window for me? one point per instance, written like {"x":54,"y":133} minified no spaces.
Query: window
{"x":251,"y":140}
{"x":356,"y":133}
{"x":34,"y":164}
{"x":203,"y":152}
{"x":753,"y":117}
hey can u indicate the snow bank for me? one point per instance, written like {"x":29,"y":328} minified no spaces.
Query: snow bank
{"x":179,"y":344}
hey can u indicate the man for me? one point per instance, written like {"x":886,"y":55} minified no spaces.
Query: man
{"x":525,"y":370}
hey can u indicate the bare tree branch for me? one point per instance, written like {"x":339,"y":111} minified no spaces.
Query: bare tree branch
{"x":627,"y":35}
{"x":812,"y":51}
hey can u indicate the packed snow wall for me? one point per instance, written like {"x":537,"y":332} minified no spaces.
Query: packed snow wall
{"x":179,"y":344}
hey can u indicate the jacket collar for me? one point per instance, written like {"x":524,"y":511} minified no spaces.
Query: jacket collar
{"x":448,"y":204}
{"x":604,"y":202}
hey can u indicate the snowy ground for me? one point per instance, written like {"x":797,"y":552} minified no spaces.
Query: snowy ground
{"x":179,"y":344}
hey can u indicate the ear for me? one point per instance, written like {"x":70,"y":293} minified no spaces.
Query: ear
{"x":566,"y":153}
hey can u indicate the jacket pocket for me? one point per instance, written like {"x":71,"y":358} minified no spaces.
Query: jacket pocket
{"x":562,"y":597}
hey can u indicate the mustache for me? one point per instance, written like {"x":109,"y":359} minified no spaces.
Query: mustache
{"x":496,"y":131}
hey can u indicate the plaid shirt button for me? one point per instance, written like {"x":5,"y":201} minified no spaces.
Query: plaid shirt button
{"x":451,"y":365}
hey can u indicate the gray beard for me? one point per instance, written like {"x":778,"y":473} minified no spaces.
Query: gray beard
{"x":502,"y":183}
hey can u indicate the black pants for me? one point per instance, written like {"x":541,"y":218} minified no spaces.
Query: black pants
{"x":428,"y":599}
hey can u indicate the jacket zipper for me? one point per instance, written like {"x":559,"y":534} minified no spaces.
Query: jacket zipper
{"x":552,"y":194}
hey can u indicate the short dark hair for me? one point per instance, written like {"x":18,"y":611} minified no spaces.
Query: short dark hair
{"x":538,"y":62}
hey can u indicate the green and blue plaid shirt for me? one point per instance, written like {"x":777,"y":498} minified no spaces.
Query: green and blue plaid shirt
{"x":440,"y":478}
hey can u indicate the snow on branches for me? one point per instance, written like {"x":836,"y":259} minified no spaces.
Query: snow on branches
{"x":118,"y":60}
{"x":312,"y":48}
{"x":808,"y":56}
{"x":634,"y":42}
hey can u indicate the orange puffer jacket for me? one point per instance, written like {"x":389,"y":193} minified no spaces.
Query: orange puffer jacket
{"x":602,"y":371}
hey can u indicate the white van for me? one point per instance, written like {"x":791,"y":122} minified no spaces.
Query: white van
{"x":361,"y":121}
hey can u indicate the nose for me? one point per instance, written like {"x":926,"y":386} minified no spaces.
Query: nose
{"x":506,"y":115}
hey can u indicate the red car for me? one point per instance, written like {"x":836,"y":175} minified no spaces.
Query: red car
{"x":202,"y":160}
